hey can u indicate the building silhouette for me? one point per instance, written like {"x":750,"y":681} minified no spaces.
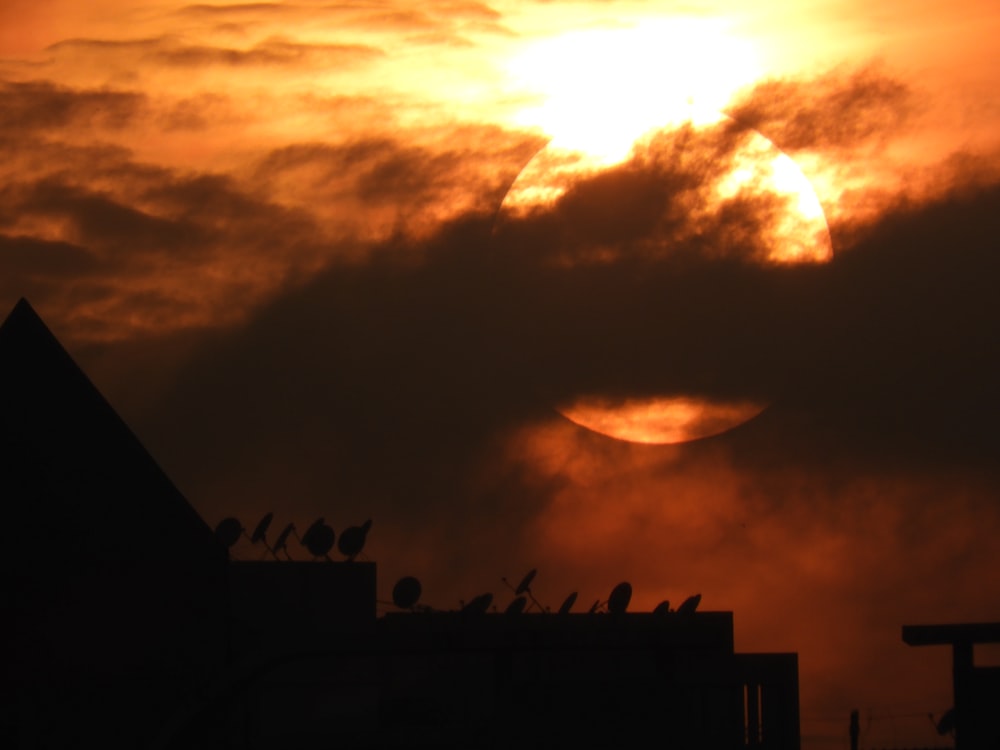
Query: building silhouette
{"x":975,"y":717}
{"x":130,"y":627}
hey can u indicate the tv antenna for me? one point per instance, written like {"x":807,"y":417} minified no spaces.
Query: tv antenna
{"x":662,"y":608}
{"x":406,"y":592}
{"x":516,"y":607}
{"x":318,"y":539}
{"x":619,"y":598}
{"x":228,"y":532}
{"x":260,"y":531}
{"x":281,"y":543}
{"x":478,"y":606}
{"x":689,"y":605}
{"x":524,"y":587}
{"x":352,"y":540}
{"x":567,"y":604}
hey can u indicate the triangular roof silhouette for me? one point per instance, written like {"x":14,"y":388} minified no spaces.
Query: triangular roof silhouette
{"x":76,"y":485}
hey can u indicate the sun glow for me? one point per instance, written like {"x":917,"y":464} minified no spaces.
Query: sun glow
{"x":660,"y":420}
{"x":603,"y":96}
{"x":599,"y":90}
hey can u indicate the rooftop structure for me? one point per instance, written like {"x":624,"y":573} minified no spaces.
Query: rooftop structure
{"x":977,"y":689}
{"x":132,"y":628}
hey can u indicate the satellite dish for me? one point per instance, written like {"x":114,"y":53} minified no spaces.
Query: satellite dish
{"x":620,"y":596}
{"x":594,"y":607}
{"x":406,"y":592}
{"x":525,"y":584}
{"x":318,"y":538}
{"x":479,"y":605}
{"x":260,"y":532}
{"x":946,"y":724}
{"x":567,"y":604}
{"x":689,"y":605}
{"x":228,"y":531}
{"x":662,"y":608}
{"x":516,"y":607}
{"x":352,"y":539}
{"x":281,"y":543}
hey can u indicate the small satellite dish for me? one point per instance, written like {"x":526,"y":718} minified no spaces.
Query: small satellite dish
{"x":689,"y":605}
{"x":281,"y":543}
{"x":662,"y":608}
{"x":406,"y":592}
{"x":479,"y":605}
{"x":946,"y":724}
{"x":620,"y":596}
{"x":318,"y":538}
{"x":260,"y":532}
{"x":594,"y":607}
{"x":567,"y":604}
{"x":228,"y":531}
{"x":516,"y":607}
{"x":352,"y":539}
{"x":525,"y":584}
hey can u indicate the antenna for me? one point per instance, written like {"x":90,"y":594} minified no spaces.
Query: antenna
{"x":228,"y":532}
{"x":352,"y":540}
{"x":689,"y":605}
{"x":525,"y":584}
{"x":567,"y":604}
{"x":516,"y":607}
{"x":318,"y":538}
{"x":406,"y":592}
{"x":524,"y":587}
{"x":260,"y":531}
{"x":946,"y":724}
{"x":281,"y":543}
{"x":479,"y":605}
{"x":620,"y":596}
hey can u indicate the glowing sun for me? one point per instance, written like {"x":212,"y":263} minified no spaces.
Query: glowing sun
{"x":627,"y":107}
{"x":597,"y":90}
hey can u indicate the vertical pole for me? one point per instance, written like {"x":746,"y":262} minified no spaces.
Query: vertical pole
{"x":961,"y":672}
{"x":753,"y":715}
{"x":855,"y":729}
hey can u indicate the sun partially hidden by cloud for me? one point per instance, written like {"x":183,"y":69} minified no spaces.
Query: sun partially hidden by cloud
{"x":598,"y":90}
{"x":660,"y":420}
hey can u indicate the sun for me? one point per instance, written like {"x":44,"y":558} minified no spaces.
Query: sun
{"x":598,"y":90}
{"x":600,"y":95}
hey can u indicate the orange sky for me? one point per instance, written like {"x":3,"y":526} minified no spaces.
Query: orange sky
{"x":266,"y":231}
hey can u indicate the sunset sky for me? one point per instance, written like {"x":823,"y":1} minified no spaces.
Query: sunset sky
{"x":282,"y":240}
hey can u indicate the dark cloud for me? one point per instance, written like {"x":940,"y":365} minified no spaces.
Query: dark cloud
{"x":438,"y":22}
{"x":174,"y":52}
{"x":151,"y":236}
{"x":239,"y":9}
{"x":841,"y":109}
{"x":270,"y":53}
{"x":42,"y":105}
{"x":404,"y":371}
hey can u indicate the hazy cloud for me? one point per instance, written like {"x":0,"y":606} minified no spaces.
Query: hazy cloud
{"x":272,"y":52}
{"x":42,"y":105}
{"x":840,"y":109}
